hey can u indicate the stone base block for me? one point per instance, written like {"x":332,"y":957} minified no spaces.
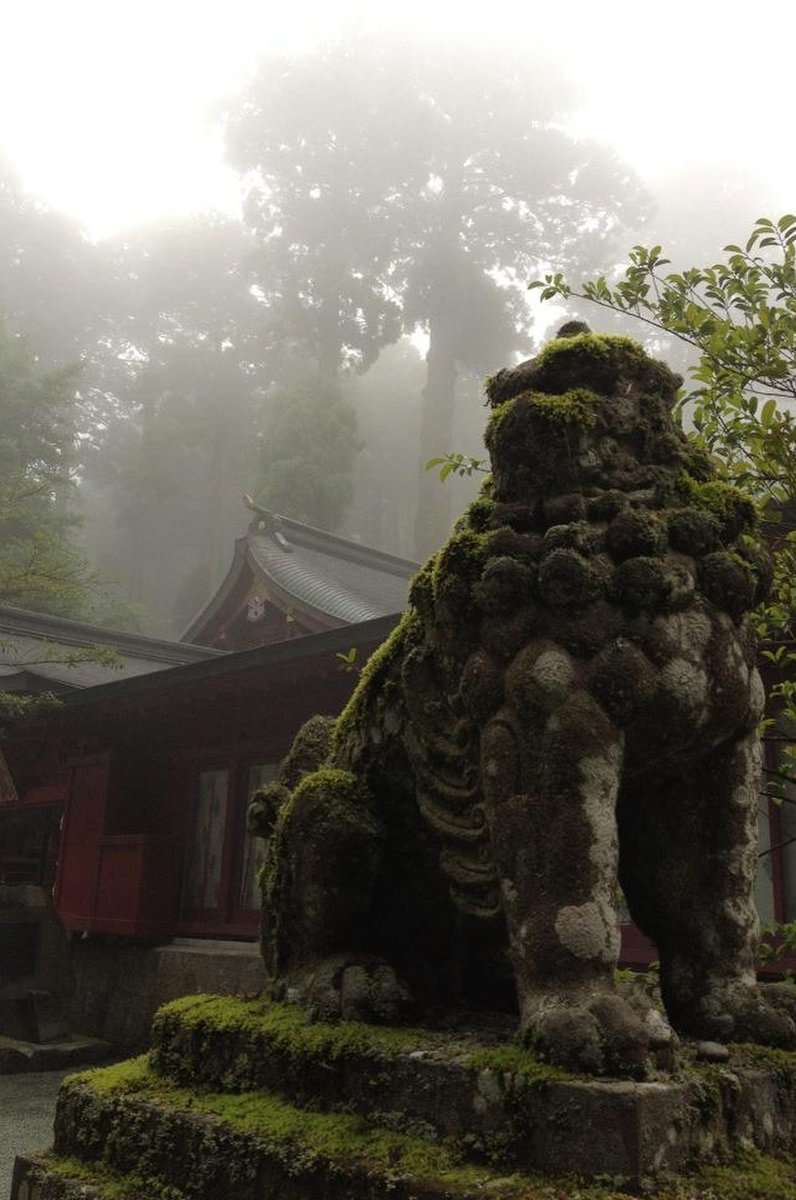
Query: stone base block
{"x":247,"y":1100}
{"x":18,"y":1056}
{"x":33,"y":1015}
{"x":120,"y":986}
{"x":484,"y":1091}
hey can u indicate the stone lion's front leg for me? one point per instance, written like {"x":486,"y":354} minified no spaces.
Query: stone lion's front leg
{"x":551,"y":803}
{"x":689,"y":867}
{"x":320,"y":873}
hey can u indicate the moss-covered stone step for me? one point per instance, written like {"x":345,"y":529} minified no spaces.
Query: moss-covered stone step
{"x":245,"y":1146}
{"x":459,"y":1084}
{"x":490,"y":1096}
{"x":50,"y":1177}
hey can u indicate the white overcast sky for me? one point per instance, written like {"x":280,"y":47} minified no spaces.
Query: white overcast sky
{"x":104,"y":103}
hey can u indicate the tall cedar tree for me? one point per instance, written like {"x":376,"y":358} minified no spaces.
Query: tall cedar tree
{"x":396,"y":189}
{"x":39,"y":568}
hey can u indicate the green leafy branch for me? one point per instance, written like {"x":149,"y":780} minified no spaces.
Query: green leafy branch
{"x":347,"y":661}
{"x":740,"y":316}
{"x":456,"y":464}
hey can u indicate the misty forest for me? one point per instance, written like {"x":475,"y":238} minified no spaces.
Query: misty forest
{"x":314,"y":354}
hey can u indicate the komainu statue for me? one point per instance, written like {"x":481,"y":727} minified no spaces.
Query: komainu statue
{"x":569,"y":707}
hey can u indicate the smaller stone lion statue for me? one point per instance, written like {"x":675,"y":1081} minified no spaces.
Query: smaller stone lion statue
{"x":568,"y":707}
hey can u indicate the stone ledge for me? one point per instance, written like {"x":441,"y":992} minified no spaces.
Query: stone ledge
{"x":491,"y":1096}
{"x":118,"y":988}
{"x":18,"y":1056}
{"x":52,"y":1179}
{"x":299,"y":1173}
{"x":250,"y":1146}
{"x":34,"y":1180}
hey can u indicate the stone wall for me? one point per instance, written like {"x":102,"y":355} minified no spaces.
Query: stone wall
{"x":118,"y":986}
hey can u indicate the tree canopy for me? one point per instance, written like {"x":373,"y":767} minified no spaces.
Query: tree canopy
{"x":404,"y":189}
{"x":39,"y":565}
{"x":308,"y":452}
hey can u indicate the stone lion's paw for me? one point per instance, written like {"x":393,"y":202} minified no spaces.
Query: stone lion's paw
{"x":604,"y":1035}
{"x":373,"y":992}
{"x":345,"y":989}
{"x":766,"y":1015}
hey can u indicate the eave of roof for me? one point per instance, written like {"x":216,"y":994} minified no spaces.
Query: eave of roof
{"x":64,"y":631}
{"x":317,"y":644}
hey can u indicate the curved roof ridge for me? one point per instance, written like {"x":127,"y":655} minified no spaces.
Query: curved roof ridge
{"x":311,"y":585}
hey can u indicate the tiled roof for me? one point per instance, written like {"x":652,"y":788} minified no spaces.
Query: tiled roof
{"x":33,"y":647}
{"x":330,"y":576}
{"x":318,"y":575}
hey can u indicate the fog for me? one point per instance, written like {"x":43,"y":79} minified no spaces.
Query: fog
{"x":276,"y":254}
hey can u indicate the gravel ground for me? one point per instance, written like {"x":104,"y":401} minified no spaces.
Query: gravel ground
{"x":27,"y":1108}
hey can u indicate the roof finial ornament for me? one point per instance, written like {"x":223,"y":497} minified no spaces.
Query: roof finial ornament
{"x":264,"y":521}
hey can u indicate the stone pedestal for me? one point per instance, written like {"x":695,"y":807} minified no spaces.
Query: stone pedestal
{"x":35,"y":966}
{"x":243,"y":1100}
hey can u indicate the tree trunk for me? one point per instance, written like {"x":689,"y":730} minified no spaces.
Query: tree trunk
{"x":433,"y":520}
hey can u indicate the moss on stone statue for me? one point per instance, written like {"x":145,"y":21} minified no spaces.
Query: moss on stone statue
{"x":604,"y":540}
{"x":342,"y":796}
{"x":635,"y":532}
{"x":309,"y":750}
{"x":566,"y":579}
{"x":735,"y":511}
{"x":480,"y":513}
{"x":373,"y":675}
{"x":575,"y":407}
{"x":602,"y":359}
{"x":639,"y":583}
{"x":728,"y":581}
{"x":462,"y":557}
{"x":505,"y":584}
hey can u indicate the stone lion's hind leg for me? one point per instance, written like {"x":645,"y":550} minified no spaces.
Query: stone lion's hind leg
{"x":553,"y":827}
{"x":325,"y":860}
{"x":689,"y":859}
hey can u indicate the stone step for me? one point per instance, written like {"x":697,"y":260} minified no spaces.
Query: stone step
{"x":214,"y":1146}
{"x":481,"y":1090}
{"x":119,"y":1141}
{"x":129,"y":1132}
{"x":18,"y":1056}
{"x":32,"y":1014}
{"x":45,"y":1179}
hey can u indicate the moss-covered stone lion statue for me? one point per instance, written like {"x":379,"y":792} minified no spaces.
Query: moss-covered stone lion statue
{"x":568,"y":707}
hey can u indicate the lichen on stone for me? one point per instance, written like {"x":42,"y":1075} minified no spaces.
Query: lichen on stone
{"x":591,"y":605}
